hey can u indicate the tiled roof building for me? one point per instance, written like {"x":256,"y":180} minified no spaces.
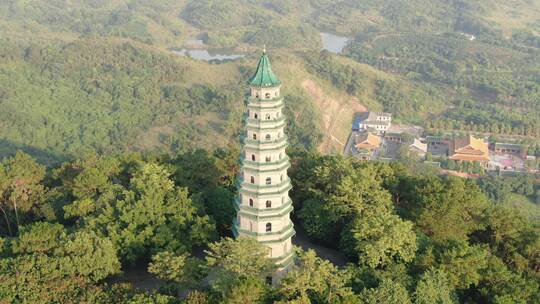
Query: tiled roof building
{"x":469,"y":149}
{"x":418,"y":147}
{"x":367,"y":141}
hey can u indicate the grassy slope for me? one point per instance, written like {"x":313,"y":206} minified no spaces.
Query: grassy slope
{"x":515,"y":15}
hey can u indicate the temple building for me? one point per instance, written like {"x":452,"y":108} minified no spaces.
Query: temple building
{"x":367,"y":141}
{"x":417,"y":147}
{"x":365,"y":145}
{"x":263,"y":204}
{"x":507,"y":148}
{"x":469,"y":149}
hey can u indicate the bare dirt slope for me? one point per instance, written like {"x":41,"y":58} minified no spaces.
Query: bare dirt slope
{"x":336,"y":116}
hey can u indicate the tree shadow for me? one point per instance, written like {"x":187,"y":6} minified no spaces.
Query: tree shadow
{"x":43,"y":156}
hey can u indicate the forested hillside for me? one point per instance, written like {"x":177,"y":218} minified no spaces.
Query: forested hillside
{"x":83,"y":77}
{"x":119,"y":157}
{"x":107,"y":96}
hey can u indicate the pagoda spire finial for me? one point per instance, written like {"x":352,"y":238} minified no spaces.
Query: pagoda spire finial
{"x":264,"y":77}
{"x":264,"y":48}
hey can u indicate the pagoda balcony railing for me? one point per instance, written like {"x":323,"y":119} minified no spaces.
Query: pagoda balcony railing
{"x":264,"y":238}
{"x":263,"y":142}
{"x":245,"y":184}
{"x":266,"y":124}
{"x":251,"y":163}
{"x":266,"y":192}
{"x":267,"y":128}
{"x":265,"y":106}
{"x":273,"y":147}
{"x":285,"y":256}
{"x":262,"y":100}
{"x":284,"y":230}
{"x":257,"y":217}
{"x":262,"y":121}
{"x":285,"y":259}
{"x":262,"y":212}
{"x":265,"y":170}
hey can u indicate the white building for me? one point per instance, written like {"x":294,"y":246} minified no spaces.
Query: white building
{"x":374,"y":121}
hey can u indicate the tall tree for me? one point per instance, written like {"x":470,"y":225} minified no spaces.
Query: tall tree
{"x":434,"y":288}
{"x":387,"y":292}
{"x":445,"y":209}
{"x":379,"y":239}
{"x":48,"y":264}
{"x":317,"y":280}
{"x":230,"y":261}
{"x":22,"y":195}
{"x":152,"y":215}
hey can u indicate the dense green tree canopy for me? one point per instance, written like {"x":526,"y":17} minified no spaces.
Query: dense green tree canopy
{"x":48,"y":264}
{"x":150,"y":215}
{"x":232,"y":261}
{"x":22,"y":195}
{"x":85,"y":83}
{"x":434,"y":288}
{"x":387,"y":292}
{"x":315,"y":280}
{"x":105,"y":213}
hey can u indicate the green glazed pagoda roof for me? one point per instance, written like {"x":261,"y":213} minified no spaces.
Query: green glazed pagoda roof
{"x":264,"y":77}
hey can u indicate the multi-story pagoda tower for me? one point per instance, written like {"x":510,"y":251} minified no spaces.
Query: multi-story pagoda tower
{"x":263,"y":203}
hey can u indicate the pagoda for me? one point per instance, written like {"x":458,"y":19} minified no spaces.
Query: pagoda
{"x":263,"y":203}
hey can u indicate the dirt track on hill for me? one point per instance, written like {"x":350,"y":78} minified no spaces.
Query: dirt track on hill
{"x":332,"y":111}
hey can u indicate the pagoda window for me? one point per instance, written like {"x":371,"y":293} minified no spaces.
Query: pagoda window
{"x":268,"y":159}
{"x":250,"y":226}
{"x":279,"y":135}
{"x":255,"y":116}
{"x":267,"y":95}
{"x":268,"y":227}
{"x":252,"y":180}
{"x":268,"y":181}
{"x":276,"y":94}
{"x":280,"y":155}
{"x":281,"y":178}
{"x":268,"y":137}
{"x":254,"y":136}
{"x":253,"y":157}
{"x":268,"y":204}
{"x":268,"y":116}
{"x":251,"y":202}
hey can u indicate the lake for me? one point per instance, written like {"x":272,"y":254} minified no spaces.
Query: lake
{"x":207,"y":55}
{"x":334,"y":43}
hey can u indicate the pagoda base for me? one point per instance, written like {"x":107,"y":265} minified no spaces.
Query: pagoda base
{"x":282,"y":270}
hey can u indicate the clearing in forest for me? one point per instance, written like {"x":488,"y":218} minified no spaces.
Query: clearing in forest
{"x":336,"y":116}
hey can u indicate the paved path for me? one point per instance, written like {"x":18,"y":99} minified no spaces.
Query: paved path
{"x":141,"y":279}
{"x":302,"y":239}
